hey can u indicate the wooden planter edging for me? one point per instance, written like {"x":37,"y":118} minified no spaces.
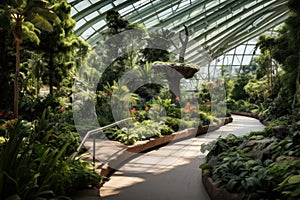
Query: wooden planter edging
{"x":143,"y":146}
{"x":214,"y":192}
{"x":247,"y":114}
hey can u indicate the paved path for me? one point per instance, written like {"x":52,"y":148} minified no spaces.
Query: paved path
{"x":170,"y":172}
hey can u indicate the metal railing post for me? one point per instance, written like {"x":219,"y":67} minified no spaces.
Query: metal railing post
{"x":95,"y":131}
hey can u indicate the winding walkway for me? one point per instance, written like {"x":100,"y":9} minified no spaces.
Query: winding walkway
{"x":172,"y":171}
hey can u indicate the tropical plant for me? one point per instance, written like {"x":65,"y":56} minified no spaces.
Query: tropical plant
{"x":138,"y":131}
{"x":62,"y":50}
{"x":37,"y":13}
{"x":34,"y":166}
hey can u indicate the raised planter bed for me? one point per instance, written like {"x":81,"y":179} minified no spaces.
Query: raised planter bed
{"x":143,"y":146}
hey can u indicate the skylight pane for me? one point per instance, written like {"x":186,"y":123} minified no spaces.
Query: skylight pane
{"x":106,"y":8}
{"x":141,"y":3}
{"x":80,"y":23}
{"x":126,"y":10}
{"x":99,"y":24}
{"x":165,"y":14}
{"x":82,"y":5}
{"x":73,"y":11}
{"x":240,"y":49}
{"x":92,"y":15}
{"x":183,"y":5}
{"x":249,"y":49}
{"x":118,"y":2}
{"x":88,"y":33}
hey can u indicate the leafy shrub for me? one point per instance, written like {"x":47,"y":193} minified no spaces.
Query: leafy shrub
{"x":238,"y":92}
{"x":173,"y":123}
{"x":32,"y":167}
{"x":205,"y":118}
{"x":139,"y":131}
{"x":286,"y":175}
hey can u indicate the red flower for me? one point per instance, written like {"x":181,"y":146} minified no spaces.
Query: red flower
{"x":146,"y":108}
{"x":177,"y":99}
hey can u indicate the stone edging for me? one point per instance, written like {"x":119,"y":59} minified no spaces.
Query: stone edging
{"x":147,"y":145}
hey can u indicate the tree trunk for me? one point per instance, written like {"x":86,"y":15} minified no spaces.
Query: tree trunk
{"x":51,"y":73}
{"x":17,"y":32}
{"x":184,"y":44}
{"x":5,"y":88}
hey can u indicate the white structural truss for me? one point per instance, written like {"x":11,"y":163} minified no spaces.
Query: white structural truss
{"x":216,"y":27}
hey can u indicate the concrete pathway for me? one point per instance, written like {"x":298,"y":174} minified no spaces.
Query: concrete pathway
{"x":170,"y":172}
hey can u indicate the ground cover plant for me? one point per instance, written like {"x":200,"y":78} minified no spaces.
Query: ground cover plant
{"x":263,"y":165}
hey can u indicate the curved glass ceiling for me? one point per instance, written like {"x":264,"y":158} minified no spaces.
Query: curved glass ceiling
{"x":215,"y":26}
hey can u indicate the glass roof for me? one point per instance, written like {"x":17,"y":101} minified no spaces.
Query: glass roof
{"x":215,"y":26}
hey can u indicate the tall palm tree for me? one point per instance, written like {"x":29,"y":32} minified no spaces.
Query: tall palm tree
{"x":36,"y":12}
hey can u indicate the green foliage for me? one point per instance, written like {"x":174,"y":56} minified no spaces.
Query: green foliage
{"x":151,"y":83}
{"x":221,"y":145}
{"x":280,"y":106}
{"x":158,"y":43}
{"x":170,"y":108}
{"x":35,"y":161}
{"x":119,"y":50}
{"x":205,"y":118}
{"x":233,"y":164}
{"x":257,"y":89}
{"x":139,"y":131}
{"x":238,"y":92}
{"x":286,"y":175}
{"x":61,"y":49}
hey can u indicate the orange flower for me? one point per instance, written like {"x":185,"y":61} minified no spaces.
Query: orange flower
{"x":133,"y":111}
{"x":177,"y":99}
{"x":146,"y":108}
{"x":208,"y":105}
{"x":188,"y":104}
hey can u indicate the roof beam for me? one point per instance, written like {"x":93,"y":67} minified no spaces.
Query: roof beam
{"x":232,"y":30}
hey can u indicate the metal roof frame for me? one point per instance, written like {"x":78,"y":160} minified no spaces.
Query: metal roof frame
{"x":218,"y":25}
